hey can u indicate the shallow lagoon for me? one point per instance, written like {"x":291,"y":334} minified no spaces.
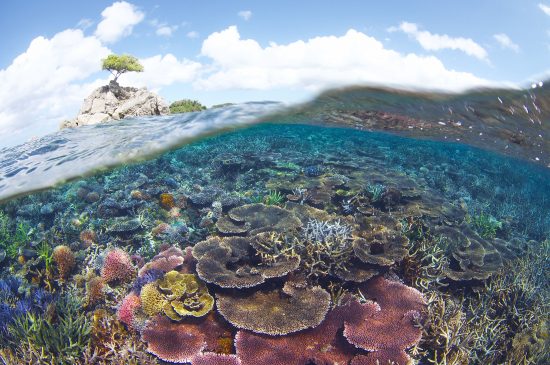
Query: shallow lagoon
{"x":284,"y":244}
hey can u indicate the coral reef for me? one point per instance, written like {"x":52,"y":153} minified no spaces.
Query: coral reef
{"x":117,"y":266}
{"x":230,"y":263}
{"x":279,"y":312}
{"x":64,"y":258}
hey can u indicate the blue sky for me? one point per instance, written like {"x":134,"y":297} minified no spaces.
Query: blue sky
{"x":231,"y":51}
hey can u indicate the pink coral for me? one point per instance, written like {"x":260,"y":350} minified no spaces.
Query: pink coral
{"x":117,"y":266}
{"x":127,"y":310}
{"x":321,"y":345}
{"x":165,"y":261}
{"x":216,"y":359}
{"x":391,"y":329}
{"x":184,"y":342}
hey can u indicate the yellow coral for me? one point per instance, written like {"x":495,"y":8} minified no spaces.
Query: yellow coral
{"x":152,"y":301}
{"x":177,"y":295}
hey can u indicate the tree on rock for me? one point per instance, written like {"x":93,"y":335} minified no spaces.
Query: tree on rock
{"x":117,"y":65}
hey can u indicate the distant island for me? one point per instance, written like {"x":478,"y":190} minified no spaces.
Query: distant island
{"x":115,"y":102}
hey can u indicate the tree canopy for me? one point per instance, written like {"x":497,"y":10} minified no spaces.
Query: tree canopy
{"x":119,"y":64}
{"x":185,"y":106}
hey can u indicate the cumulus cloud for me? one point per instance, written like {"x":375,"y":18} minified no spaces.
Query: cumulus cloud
{"x":436,"y":42}
{"x":192,"y":34}
{"x":46,"y":83}
{"x":166,"y":30}
{"x":245,"y":14}
{"x":544,"y":8}
{"x":505,"y":42}
{"x":321,"y":62}
{"x":118,"y":21}
{"x":161,"y":71}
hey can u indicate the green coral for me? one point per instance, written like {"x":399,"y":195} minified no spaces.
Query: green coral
{"x":485,"y":225}
{"x":61,"y":336}
{"x":11,"y":240}
{"x":177,"y":296}
{"x":186,"y":106}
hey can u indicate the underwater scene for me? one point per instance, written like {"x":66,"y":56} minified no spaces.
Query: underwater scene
{"x":366,"y":227}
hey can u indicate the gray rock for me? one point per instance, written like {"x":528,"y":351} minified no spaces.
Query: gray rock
{"x":114,"y":102}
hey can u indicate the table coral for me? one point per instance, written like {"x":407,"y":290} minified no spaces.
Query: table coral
{"x":391,"y":329}
{"x":278,"y":312}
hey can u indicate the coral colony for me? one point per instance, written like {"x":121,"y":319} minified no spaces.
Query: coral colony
{"x":260,"y":247}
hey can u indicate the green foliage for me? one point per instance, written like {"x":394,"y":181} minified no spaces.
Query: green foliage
{"x":12,"y":240}
{"x":273,"y":198}
{"x":485,"y":225}
{"x":119,"y":64}
{"x":186,"y":106}
{"x":63,"y":336}
{"x":45,"y":254}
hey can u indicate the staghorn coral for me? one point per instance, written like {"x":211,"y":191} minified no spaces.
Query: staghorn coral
{"x":391,"y":329}
{"x":278,"y":312}
{"x":64,"y":258}
{"x":117,"y":266}
{"x":230,"y":262}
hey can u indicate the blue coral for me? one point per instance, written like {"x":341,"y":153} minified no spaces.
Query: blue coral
{"x":148,"y":277}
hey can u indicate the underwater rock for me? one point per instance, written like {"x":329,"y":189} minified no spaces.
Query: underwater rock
{"x":391,"y":327}
{"x":113,"y":102}
{"x":230,"y":262}
{"x":262,"y":218}
{"x":381,"y":241}
{"x":278,"y":312}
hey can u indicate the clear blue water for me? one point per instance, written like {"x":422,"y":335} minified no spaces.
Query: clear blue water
{"x":455,"y":179}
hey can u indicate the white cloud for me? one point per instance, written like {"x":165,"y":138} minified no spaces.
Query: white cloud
{"x":192,"y":34}
{"x":47,"y":82}
{"x":321,"y":62}
{"x":118,"y":21}
{"x":166,"y":30}
{"x":436,"y":42}
{"x":506,"y":42}
{"x":544,"y":8}
{"x":245,"y":14}
{"x":84,"y":23}
{"x":162,"y":71}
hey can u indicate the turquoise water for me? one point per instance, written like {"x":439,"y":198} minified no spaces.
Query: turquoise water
{"x":366,"y":246}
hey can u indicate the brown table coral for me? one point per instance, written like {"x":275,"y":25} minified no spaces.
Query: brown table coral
{"x":278,"y":312}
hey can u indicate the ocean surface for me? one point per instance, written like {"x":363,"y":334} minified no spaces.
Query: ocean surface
{"x":366,"y":226}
